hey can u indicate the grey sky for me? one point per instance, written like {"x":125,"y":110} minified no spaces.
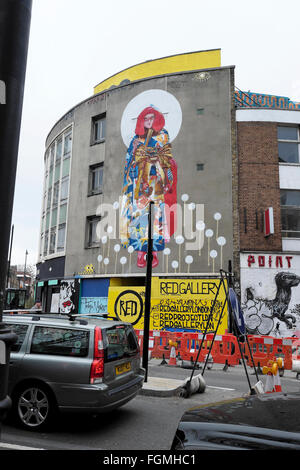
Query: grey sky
{"x":75,"y":44}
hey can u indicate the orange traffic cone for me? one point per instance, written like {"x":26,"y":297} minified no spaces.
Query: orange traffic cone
{"x":277,"y":383}
{"x":269,"y":388}
{"x":172,"y":360}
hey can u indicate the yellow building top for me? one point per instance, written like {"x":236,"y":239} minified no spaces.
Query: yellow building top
{"x":172,"y":64}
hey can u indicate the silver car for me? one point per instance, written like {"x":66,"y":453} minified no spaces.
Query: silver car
{"x":84,"y":363}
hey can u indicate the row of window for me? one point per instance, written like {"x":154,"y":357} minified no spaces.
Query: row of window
{"x":56,"y":186}
{"x":56,"y":194}
{"x":289,"y":152}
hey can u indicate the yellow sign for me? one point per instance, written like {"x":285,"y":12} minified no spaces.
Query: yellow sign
{"x":172,"y":64}
{"x":176,"y":304}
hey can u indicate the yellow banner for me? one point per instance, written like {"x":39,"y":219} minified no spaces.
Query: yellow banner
{"x":176,"y":304}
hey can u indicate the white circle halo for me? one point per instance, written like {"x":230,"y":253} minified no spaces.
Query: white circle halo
{"x":163,"y":101}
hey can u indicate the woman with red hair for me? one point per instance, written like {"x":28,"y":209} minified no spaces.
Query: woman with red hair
{"x":150,"y":175}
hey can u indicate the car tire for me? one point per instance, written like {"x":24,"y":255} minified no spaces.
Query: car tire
{"x":34,"y":406}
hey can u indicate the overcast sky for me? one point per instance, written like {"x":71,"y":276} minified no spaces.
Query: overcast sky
{"x":75,"y":44}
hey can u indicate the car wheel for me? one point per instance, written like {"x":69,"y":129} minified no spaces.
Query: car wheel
{"x":34,"y":407}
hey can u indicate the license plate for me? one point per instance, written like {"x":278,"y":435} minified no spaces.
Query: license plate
{"x":123,"y":368}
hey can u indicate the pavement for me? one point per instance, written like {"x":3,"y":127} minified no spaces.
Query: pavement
{"x":170,"y":386}
{"x":162,"y":387}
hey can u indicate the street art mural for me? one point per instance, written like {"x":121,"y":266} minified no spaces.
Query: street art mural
{"x":270,"y":294}
{"x":150,"y":172}
{"x":184,"y":232}
{"x":176,"y":305}
{"x":67,"y":297}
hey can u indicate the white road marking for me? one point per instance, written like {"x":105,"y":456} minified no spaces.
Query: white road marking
{"x":221,"y":388}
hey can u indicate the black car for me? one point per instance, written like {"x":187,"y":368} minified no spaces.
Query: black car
{"x":268,"y":421}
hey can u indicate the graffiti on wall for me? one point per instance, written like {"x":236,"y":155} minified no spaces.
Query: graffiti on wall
{"x":176,"y":304}
{"x":67,"y":297}
{"x":270,"y":294}
{"x":93,"y":305}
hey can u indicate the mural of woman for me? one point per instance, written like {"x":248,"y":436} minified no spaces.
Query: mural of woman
{"x":150,"y":175}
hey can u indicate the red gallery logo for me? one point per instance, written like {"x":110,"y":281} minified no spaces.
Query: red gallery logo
{"x":2,"y":92}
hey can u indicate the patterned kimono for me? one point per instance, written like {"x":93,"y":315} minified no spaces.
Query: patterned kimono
{"x":150,"y":175}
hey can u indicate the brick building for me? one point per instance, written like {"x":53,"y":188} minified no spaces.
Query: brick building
{"x":269,"y":177}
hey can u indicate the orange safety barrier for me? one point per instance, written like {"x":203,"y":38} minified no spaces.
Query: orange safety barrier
{"x":266,"y":348}
{"x":191,"y":343}
{"x":224,"y":350}
{"x":296,"y":349}
{"x":161,"y":345}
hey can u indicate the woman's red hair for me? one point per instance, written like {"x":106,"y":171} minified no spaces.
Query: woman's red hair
{"x":158,"y":124}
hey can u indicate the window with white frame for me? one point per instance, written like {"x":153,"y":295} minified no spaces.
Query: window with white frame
{"x":61,"y":235}
{"x":98,"y":128}
{"x":56,"y":192}
{"x":290,"y":213}
{"x":288,"y":144}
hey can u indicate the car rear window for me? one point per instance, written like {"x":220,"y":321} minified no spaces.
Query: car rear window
{"x":120,"y":341}
{"x":20,"y":331}
{"x":60,"y":341}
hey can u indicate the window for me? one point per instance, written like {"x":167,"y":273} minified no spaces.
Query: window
{"x":54,"y":217}
{"x":61,"y":234}
{"x":67,"y":143}
{"x":92,"y":237}
{"x":52,"y":155}
{"x":288,"y":144}
{"x":96,"y":179}
{"x":98,"y":129}
{"x":45,"y":251}
{"x":120,"y":342}
{"x":59,"y":149}
{"x":60,"y":342}
{"x":47,"y":219}
{"x":63,"y":214}
{"x":52,"y":240}
{"x":66,"y":167}
{"x":20,"y":331}
{"x":290,"y":213}
{"x":49,"y":198}
{"x":64,"y":190}
{"x":55,"y":194}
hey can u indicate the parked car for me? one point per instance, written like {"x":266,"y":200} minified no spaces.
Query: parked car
{"x":81,"y":364}
{"x":268,"y":421}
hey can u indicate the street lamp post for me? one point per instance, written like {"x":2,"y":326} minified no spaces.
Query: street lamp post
{"x":15,"y":16}
{"x":148,"y":294}
{"x":24,"y":277}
